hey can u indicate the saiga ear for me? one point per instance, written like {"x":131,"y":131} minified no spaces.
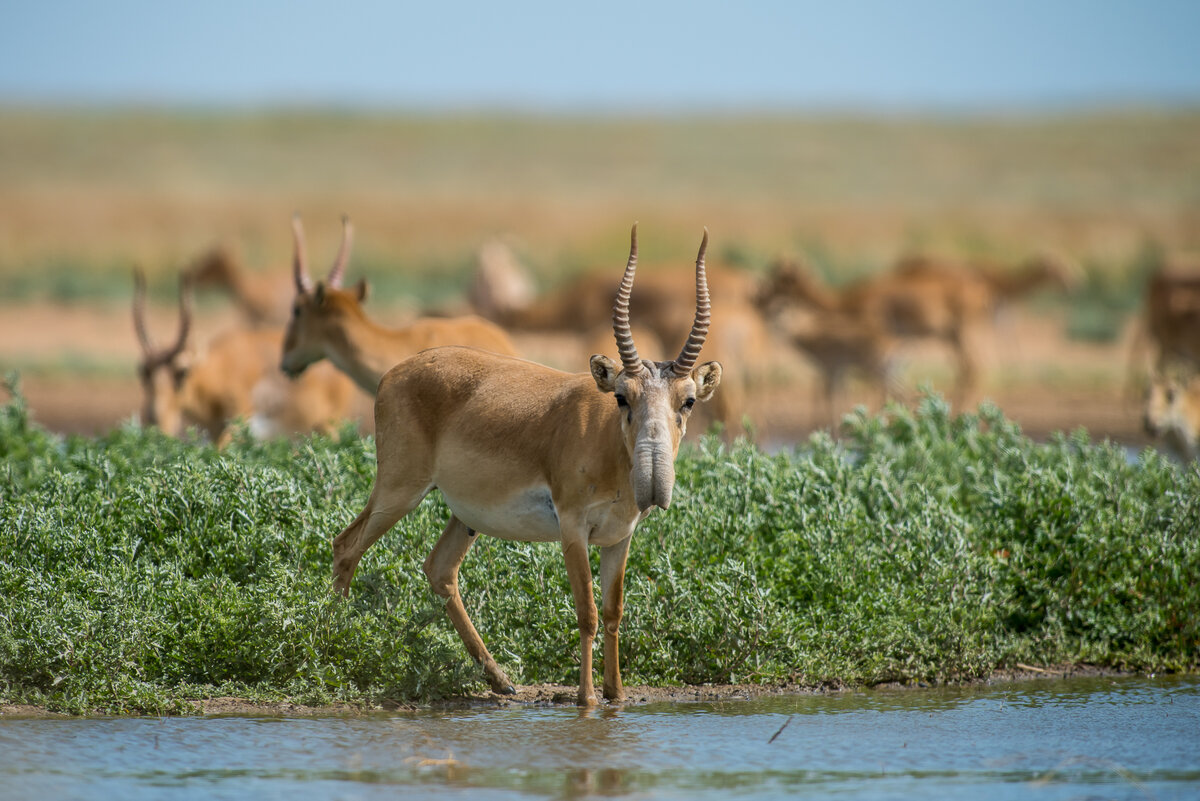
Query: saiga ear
{"x":360,"y":289}
{"x":319,"y":294}
{"x":605,"y":373}
{"x":707,"y":377}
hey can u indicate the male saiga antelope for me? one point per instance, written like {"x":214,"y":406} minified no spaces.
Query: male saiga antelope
{"x":525,"y":452}
{"x":501,"y":291}
{"x":329,"y":322}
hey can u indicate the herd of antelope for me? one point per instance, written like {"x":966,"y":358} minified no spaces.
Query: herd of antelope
{"x":522,"y":451}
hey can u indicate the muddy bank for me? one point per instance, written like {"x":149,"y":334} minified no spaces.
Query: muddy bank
{"x":561,"y":695}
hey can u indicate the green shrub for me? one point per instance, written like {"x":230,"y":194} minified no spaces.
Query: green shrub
{"x":139,"y":572}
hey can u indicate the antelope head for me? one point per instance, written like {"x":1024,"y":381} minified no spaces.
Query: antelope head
{"x":1172,"y":412}
{"x":162,"y":371}
{"x":789,"y":282}
{"x":1160,"y":398}
{"x":317,"y":304}
{"x":216,"y":267}
{"x":654,"y":399}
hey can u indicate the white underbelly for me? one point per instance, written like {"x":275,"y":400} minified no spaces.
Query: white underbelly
{"x":531,"y":516}
{"x":527,"y":515}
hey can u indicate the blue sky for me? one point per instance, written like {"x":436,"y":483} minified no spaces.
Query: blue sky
{"x":551,"y":56}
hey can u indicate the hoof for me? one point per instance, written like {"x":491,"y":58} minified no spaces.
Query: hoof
{"x":499,"y":682}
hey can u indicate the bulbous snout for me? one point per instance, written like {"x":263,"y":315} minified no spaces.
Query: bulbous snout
{"x":1150,"y":425}
{"x":1157,"y":409}
{"x":653,"y":475}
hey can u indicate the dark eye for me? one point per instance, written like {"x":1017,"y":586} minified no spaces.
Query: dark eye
{"x":621,"y":401}
{"x":296,"y":310}
{"x":689,"y":403}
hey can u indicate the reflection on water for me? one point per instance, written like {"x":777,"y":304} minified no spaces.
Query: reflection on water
{"x":1108,"y":738}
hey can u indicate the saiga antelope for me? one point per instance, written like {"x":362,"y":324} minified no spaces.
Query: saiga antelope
{"x":1166,"y":335}
{"x":1172,"y":413}
{"x":900,"y":306}
{"x":837,"y":345}
{"x":328,"y":322}
{"x":1043,"y":270}
{"x":234,"y":378}
{"x":1171,"y":317}
{"x":261,"y":299}
{"x":500,"y":293}
{"x":525,"y":452}
{"x":924,"y":298}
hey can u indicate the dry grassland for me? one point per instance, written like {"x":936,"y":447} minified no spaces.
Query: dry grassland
{"x":86,"y":194}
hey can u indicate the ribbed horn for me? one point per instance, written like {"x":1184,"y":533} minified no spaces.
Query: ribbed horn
{"x":299,"y":257}
{"x":139,"y":319}
{"x":338,"y":270}
{"x":139,"y":311}
{"x":691,"y":349}
{"x":625,"y":346}
{"x":185,"y":316}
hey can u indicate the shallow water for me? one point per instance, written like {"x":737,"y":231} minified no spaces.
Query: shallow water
{"x":1048,"y":739}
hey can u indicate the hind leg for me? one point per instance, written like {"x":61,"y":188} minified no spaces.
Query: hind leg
{"x":967,"y":348}
{"x":441,"y":568}
{"x":403,"y":476}
{"x":390,"y":500}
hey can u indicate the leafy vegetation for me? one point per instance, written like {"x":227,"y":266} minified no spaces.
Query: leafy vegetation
{"x":138,"y":572}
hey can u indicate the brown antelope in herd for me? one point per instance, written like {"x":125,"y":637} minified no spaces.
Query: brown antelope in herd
{"x":525,"y":452}
{"x":236,"y":377}
{"x":262,"y":300}
{"x":1172,"y":413}
{"x":1041,"y":271}
{"x":921,"y":298}
{"x":1171,"y":318}
{"x":838,"y":345}
{"x":1166,"y":335}
{"x":328,"y":322}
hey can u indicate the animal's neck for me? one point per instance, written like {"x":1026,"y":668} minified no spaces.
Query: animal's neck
{"x":603,"y":472}
{"x":365,"y":351}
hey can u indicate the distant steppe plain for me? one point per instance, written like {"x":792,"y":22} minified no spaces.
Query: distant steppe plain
{"x":85,"y":194}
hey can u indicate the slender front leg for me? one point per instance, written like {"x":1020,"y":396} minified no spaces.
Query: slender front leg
{"x":579,"y":571}
{"x":441,"y":568}
{"x":966,"y":346}
{"x":612,"y":593}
